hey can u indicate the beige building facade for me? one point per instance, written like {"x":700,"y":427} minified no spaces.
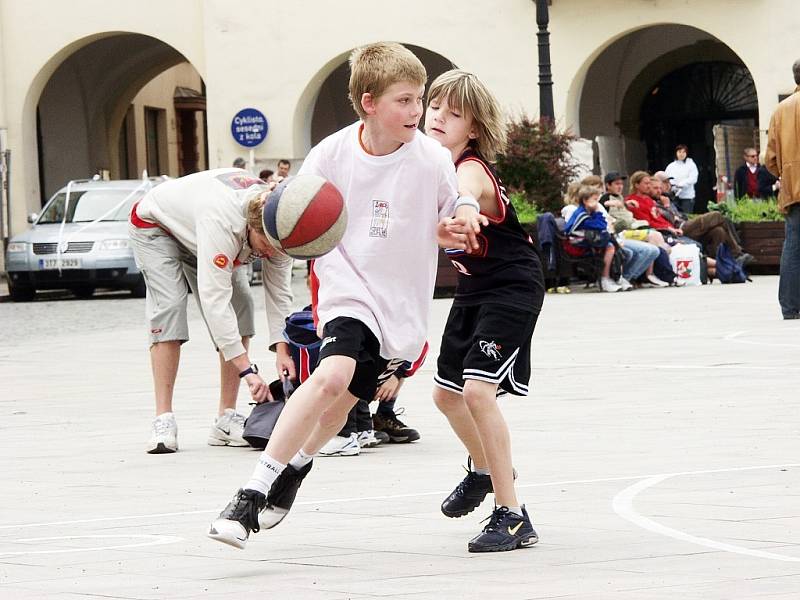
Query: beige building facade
{"x":71,"y":73}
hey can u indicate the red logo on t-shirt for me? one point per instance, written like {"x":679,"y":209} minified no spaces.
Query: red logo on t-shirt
{"x":221,"y":261}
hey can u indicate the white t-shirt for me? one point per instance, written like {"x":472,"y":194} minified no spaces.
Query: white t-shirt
{"x":383,"y":271}
{"x":206,"y":213}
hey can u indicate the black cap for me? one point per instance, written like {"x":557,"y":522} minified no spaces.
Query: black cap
{"x":613,"y":176}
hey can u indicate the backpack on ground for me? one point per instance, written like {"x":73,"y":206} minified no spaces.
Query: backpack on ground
{"x":728,"y":270}
{"x":304,"y":346}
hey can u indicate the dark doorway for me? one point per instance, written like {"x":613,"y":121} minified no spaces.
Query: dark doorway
{"x":683,"y":109}
{"x":187,"y":142}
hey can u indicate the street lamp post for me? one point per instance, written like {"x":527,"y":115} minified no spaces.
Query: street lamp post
{"x":546,"y":110}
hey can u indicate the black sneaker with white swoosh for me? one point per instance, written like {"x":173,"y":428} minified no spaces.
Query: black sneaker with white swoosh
{"x":505,"y":531}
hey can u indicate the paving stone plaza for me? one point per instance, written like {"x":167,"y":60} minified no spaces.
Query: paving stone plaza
{"x":657,"y":455}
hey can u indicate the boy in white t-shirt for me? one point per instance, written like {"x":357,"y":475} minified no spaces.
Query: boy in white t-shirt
{"x":376,"y":287}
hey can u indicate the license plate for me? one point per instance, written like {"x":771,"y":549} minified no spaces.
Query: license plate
{"x":66,"y":263}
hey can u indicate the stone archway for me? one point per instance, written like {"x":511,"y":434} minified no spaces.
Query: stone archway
{"x":331,"y":109}
{"x":84,"y":124}
{"x":621,"y":84}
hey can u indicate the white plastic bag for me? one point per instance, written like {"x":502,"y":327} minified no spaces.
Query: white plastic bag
{"x":685,"y":259}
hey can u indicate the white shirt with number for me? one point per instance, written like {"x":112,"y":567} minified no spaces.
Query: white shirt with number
{"x":383,"y":271}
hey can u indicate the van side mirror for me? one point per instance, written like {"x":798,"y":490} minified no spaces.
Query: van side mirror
{"x":32,"y":217}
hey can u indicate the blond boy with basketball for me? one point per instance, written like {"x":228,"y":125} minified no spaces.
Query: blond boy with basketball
{"x":400,"y":189}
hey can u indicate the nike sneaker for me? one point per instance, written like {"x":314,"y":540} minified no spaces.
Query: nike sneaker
{"x":505,"y":531}
{"x":281,"y":495}
{"x":367,"y":439}
{"x":227,"y":430}
{"x":238,"y":519}
{"x":164,"y":437}
{"x":340,"y":445}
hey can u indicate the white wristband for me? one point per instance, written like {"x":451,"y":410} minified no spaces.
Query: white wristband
{"x":468,"y":201}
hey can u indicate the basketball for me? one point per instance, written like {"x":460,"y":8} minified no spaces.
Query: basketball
{"x":305,"y":216}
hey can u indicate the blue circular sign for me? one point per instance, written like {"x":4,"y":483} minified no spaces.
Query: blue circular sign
{"x":249,"y":127}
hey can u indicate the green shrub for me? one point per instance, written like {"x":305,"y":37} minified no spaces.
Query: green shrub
{"x":747,"y":210}
{"x":538,"y":162}
{"x":527,"y":212}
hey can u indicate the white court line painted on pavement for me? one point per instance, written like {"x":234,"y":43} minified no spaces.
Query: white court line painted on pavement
{"x":394,"y":496}
{"x":671,"y":367}
{"x":735,"y":337}
{"x":152,"y":540}
{"x":623,"y":506}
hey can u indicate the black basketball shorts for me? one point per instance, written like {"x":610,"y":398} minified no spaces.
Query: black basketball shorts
{"x":345,"y":336}
{"x":487,"y":342}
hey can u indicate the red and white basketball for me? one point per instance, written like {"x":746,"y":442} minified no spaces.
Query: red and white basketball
{"x":305,"y":216}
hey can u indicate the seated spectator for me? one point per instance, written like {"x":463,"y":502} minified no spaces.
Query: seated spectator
{"x":641,"y":204}
{"x":265,"y":174}
{"x":662,"y":193}
{"x":708,"y":230}
{"x":570,"y":200}
{"x":640,"y":246}
{"x":752,"y":179}
{"x":587,"y":229}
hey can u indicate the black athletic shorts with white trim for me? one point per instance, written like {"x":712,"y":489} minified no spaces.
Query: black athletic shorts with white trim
{"x":345,"y":336}
{"x":487,"y":342}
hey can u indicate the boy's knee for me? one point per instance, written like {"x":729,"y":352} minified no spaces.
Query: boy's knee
{"x":329,"y":384}
{"x":479,"y":395}
{"x":447,"y":401}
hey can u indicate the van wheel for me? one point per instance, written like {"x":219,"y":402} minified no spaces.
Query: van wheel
{"x":83,"y":291}
{"x":140,"y":289}
{"x":21,"y":294}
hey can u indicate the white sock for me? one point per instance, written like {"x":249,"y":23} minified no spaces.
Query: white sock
{"x":301,"y":459}
{"x":266,"y":472}
{"x":484,"y":471}
{"x":517,"y":510}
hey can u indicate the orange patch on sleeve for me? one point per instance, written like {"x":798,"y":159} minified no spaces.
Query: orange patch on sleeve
{"x":221,"y":261}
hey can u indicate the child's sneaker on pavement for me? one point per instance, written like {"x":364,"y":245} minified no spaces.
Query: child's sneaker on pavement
{"x":367,"y":439}
{"x":238,"y":519}
{"x":381,"y":436}
{"x":227,"y":430}
{"x":468,"y":494}
{"x":397,"y":431}
{"x":340,"y":445}
{"x":505,"y":531}
{"x":281,"y":495}
{"x":164,"y":437}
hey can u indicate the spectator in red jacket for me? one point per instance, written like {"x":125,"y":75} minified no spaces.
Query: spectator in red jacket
{"x":642,"y":205}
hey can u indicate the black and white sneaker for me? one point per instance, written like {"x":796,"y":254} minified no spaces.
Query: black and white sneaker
{"x":468,"y":494}
{"x":281,"y":495}
{"x":238,"y":519}
{"x":505,"y":531}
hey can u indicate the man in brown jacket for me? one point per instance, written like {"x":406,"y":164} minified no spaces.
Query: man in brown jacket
{"x":783,"y":160}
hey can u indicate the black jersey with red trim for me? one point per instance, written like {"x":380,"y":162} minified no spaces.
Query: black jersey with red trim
{"x":505,"y":269}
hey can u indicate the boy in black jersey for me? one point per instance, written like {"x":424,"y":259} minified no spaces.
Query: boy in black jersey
{"x":486,"y":344}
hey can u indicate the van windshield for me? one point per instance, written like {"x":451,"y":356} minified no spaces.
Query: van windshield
{"x":88,"y":205}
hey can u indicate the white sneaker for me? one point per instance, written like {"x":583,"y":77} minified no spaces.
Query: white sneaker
{"x":653,"y":280}
{"x":609,"y":285}
{"x":227,"y":430}
{"x":367,"y":439}
{"x":164,"y":438}
{"x":624,"y":284}
{"x":341,"y":446}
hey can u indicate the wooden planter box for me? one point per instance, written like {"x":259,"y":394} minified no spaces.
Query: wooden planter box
{"x":765,"y":242}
